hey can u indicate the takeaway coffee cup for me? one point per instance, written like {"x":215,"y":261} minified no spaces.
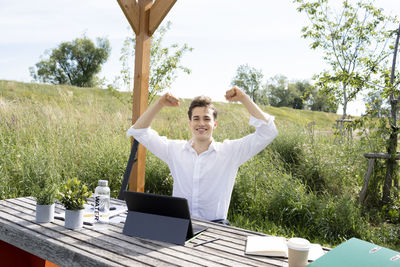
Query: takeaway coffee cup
{"x":298,"y":251}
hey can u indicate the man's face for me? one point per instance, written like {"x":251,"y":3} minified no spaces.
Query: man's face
{"x":202,"y":123}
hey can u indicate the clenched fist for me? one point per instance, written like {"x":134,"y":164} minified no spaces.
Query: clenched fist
{"x":169,"y":100}
{"x":235,"y":94}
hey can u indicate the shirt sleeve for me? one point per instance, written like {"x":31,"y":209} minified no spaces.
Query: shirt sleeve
{"x":248,"y":146}
{"x":158,"y":145}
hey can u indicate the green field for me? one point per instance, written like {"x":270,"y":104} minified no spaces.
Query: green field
{"x":302,"y":184}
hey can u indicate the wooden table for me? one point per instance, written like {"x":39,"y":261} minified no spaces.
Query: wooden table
{"x":87,"y":247}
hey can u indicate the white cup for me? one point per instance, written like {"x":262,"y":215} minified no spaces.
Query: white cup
{"x":298,"y":251}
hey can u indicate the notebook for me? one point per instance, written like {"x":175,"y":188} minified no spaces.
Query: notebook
{"x":356,"y":252}
{"x":276,"y":246}
{"x":160,"y":217}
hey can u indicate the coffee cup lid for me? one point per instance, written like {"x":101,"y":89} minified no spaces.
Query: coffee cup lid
{"x":298,"y":243}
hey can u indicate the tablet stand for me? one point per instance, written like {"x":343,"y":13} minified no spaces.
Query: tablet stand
{"x":156,"y":227}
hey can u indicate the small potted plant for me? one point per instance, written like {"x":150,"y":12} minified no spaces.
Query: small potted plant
{"x":45,"y":192}
{"x":73,"y":196}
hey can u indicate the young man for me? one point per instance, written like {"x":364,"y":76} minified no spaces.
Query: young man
{"x":203,"y":170}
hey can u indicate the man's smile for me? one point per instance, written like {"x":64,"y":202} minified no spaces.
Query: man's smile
{"x":201,"y":130}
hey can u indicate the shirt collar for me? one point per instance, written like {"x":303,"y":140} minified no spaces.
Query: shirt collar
{"x":213,"y":145}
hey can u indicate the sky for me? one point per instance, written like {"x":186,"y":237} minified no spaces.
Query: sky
{"x":264,"y":34}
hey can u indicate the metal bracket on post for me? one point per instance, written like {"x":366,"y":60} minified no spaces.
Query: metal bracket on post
{"x":131,"y":161}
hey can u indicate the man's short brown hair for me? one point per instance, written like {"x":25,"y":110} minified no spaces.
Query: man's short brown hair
{"x":202,"y":101}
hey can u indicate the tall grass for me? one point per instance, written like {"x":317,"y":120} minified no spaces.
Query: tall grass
{"x":61,"y":132}
{"x":299,"y":187}
{"x":302,"y":184}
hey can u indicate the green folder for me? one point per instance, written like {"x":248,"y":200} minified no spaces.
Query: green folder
{"x":356,"y":252}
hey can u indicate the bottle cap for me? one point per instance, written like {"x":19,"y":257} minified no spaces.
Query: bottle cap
{"x":103,"y":183}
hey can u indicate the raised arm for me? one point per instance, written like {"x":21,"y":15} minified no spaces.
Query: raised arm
{"x":235,"y":94}
{"x":145,"y":120}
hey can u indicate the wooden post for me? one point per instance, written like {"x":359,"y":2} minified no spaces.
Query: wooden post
{"x":141,"y":89}
{"x":371,"y":160}
{"x":144,"y":18}
{"x":363,"y":192}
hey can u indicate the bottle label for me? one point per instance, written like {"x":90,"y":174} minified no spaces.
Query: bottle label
{"x":101,"y":208}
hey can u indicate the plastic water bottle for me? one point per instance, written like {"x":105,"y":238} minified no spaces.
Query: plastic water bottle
{"x":101,"y":205}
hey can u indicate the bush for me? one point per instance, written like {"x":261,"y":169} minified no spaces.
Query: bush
{"x":288,"y":145}
{"x":284,"y":201}
{"x":340,"y":218}
{"x":289,"y":204}
{"x":158,"y":177}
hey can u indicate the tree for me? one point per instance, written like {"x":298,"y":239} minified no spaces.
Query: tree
{"x":75,"y":63}
{"x":386,"y":128}
{"x":262,"y":96}
{"x":282,"y":93}
{"x":391,"y":85}
{"x":301,"y":97}
{"x":353,"y":41}
{"x":279,"y":94}
{"x":319,"y":101}
{"x":164,"y":62}
{"x":249,"y":79}
{"x":375,"y":104}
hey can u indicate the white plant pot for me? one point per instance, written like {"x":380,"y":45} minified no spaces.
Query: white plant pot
{"x":73,"y":219}
{"x":45,"y":213}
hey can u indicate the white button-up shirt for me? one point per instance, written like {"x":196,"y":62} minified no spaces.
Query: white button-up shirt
{"x":207,"y":180}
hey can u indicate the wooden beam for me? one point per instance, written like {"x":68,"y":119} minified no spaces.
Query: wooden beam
{"x":363,"y":192}
{"x":131,"y":11}
{"x":380,"y":156}
{"x":144,"y":18}
{"x":141,"y":89}
{"x":158,"y":12}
